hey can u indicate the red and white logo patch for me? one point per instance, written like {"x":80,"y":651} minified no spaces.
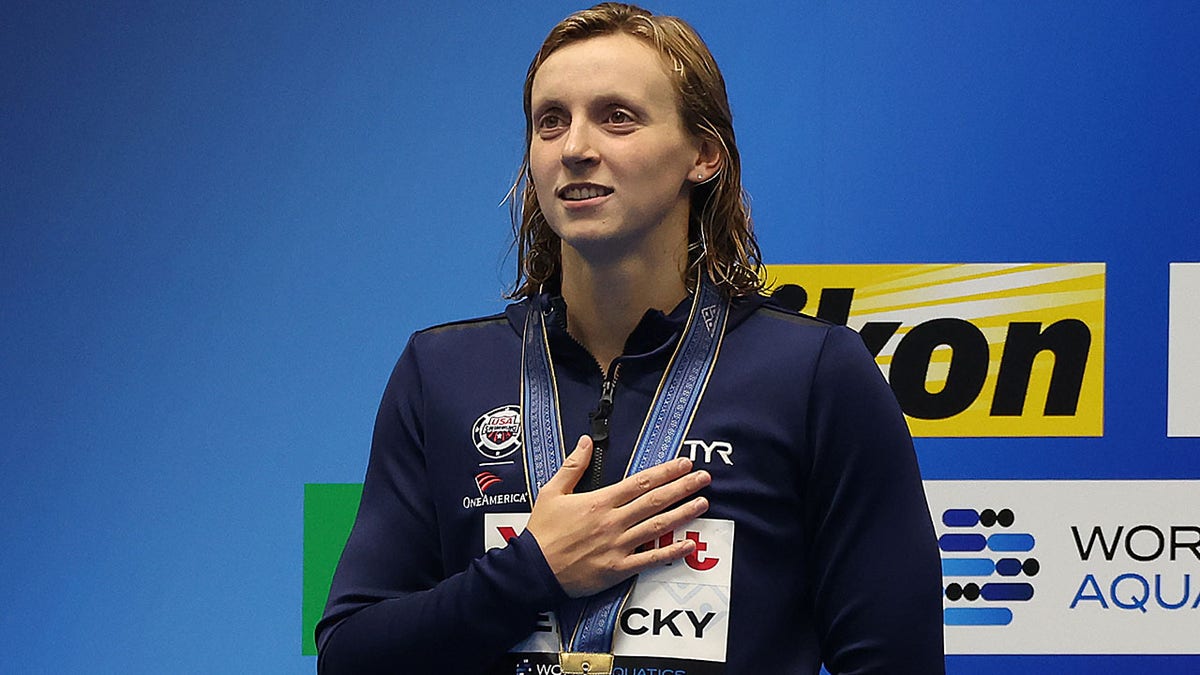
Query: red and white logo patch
{"x":485,"y":480}
{"x":498,"y":433}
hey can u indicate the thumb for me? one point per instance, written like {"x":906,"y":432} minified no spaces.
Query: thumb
{"x":572,"y":469}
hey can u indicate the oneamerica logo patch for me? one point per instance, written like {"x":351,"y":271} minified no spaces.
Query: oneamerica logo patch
{"x":497,"y":433}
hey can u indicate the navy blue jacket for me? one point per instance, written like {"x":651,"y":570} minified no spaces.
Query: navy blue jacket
{"x":835,"y":559}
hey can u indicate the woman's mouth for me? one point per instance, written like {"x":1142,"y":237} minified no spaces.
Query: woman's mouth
{"x":578,"y":192}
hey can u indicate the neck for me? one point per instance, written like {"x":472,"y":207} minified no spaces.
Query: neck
{"x":605,"y":301}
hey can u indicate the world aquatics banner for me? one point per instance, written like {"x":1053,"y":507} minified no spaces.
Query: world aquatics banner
{"x":1069,"y":567}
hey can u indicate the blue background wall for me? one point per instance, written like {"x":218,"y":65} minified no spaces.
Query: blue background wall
{"x":220,"y":222}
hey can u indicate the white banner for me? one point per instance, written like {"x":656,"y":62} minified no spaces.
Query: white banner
{"x":679,"y":610}
{"x":1183,"y":358}
{"x":1069,"y":567}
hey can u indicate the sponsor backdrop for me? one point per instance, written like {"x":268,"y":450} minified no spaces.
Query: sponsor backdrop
{"x":220,"y":222}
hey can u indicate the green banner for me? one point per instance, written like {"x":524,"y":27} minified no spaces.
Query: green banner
{"x":329,"y":511}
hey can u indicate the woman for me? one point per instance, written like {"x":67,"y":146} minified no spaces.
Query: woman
{"x":743,"y":497}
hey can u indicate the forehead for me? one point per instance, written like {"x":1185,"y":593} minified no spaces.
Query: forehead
{"x":608,"y":65}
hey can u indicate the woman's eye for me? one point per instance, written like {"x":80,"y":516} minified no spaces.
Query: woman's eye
{"x":549,"y":121}
{"x":620,"y":117}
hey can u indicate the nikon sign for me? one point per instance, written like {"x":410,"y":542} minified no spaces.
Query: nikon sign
{"x":1004,"y":349}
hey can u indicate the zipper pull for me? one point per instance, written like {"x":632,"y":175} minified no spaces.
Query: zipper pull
{"x":599,"y":417}
{"x":607,"y":389}
{"x":599,"y":429}
{"x":606,"y":395}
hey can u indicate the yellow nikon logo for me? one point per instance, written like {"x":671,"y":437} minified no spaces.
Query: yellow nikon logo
{"x":972,"y":349}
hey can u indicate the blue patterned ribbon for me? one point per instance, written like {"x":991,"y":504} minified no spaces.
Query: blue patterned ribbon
{"x":593,"y":619}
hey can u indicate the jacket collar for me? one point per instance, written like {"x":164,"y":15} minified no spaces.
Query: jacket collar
{"x":656,"y":332}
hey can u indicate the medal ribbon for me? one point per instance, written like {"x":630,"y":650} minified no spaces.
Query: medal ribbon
{"x":593,"y":619}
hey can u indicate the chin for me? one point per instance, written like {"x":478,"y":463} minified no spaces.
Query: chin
{"x":596,"y":244}
{"x":579,"y":232}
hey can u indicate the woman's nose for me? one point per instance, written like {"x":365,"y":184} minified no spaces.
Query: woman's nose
{"x":577,"y":146}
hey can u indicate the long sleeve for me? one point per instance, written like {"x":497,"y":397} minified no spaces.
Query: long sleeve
{"x":876,"y":571}
{"x":392,"y":608}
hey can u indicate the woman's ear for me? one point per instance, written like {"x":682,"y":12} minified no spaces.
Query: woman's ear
{"x":709,"y":161}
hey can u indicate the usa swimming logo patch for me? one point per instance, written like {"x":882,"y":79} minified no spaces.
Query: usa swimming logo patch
{"x":497,"y":433}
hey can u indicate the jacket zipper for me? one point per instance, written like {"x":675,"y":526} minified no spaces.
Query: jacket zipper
{"x":599,"y":419}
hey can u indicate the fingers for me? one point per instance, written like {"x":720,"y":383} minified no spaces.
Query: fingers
{"x":642,"y":482}
{"x":663,"y":496}
{"x":591,"y":540}
{"x":572,"y":469}
{"x":659,"y":524}
{"x":640,"y":561}
{"x":633,"y":561}
{"x":656,"y":557}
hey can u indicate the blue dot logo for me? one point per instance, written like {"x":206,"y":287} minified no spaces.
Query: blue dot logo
{"x":987,"y":570}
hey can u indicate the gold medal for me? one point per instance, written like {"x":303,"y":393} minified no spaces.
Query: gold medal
{"x":585,"y":663}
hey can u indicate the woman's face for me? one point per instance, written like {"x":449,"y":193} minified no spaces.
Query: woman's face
{"x":610,"y":158}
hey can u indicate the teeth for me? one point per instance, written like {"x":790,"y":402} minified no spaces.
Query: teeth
{"x":588,"y":192}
